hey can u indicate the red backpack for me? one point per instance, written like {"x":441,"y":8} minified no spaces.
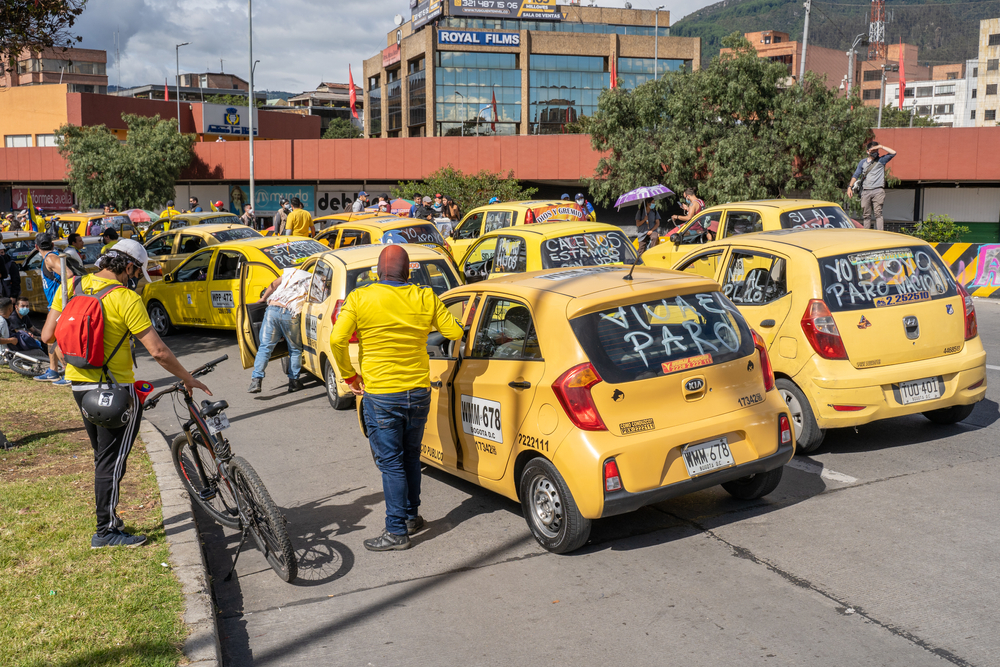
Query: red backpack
{"x":80,"y":329}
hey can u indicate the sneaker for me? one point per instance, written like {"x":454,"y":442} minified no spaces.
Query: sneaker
{"x":414,"y":525}
{"x":48,"y":376}
{"x":254,"y":386}
{"x":116,"y":538}
{"x":388,"y":542}
{"x":295,"y":385}
{"x":62,"y":382}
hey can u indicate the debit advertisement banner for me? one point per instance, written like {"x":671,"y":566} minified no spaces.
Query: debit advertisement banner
{"x":422,"y":11}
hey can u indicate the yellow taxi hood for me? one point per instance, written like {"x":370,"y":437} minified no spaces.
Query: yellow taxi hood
{"x":367,"y":255}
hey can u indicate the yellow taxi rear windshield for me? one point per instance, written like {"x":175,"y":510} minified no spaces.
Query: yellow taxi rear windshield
{"x":886,"y":277}
{"x":293,"y":253}
{"x":436,"y":274}
{"x":818,"y":217}
{"x":659,"y":337}
{"x":587,"y":249}
{"x":413,"y":234}
{"x":236,"y":234}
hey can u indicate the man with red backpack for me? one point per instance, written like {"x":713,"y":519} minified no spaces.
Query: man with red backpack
{"x":93,"y":331}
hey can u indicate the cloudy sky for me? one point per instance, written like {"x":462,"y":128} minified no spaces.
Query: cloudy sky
{"x":298,"y":42}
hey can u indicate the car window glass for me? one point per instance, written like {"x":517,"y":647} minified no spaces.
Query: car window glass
{"x":469,"y":229}
{"x":753,"y":279}
{"x":505,"y":331}
{"x":819,"y":217}
{"x":189,"y":243}
{"x":227,"y":265}
{"x":587,"y":249}
{"x":177,"y":223}
{"x":353,"y":237}
{"x":702,"y":229}
{"x":704,"y":265}
{"x":35,"y":261}
{"x":743,"y":222}
{"x":885,"y":277}
{"x":194,"y":269}
{"x":497,"y":220}
{"x":90,"y":252}
{"x":322,"y":281}
{"x":413,"y":234}
{"x":511,"y":255}
{"x":482,"y":253}
{"x":161,"y":246}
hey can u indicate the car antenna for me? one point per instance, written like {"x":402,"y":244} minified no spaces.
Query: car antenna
{"x":628,"y":276}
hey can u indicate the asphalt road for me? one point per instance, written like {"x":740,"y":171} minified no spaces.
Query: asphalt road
{"x":880,"y":549}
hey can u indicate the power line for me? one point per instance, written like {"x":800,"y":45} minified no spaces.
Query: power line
{"x":896,"y":7}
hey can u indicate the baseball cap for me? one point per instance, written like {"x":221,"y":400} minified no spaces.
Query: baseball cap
{"x":427,"y":200}
{"x":170,"y":202}
{"x":135,"y":251}
{"x":438,"y":195}
{"x":362,"y":194}
{"x":44,"y":241}
{"x":2,"y":247}
{"x":565,"y":196}
{"x":218,"y":204}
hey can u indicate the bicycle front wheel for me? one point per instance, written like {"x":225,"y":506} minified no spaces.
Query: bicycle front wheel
{"x":216,"y":496}
{"x":266,"y":523}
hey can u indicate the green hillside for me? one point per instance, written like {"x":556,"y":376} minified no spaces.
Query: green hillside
{"x":945,"y":31}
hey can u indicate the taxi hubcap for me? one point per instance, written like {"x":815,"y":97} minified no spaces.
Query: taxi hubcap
{"x":331,"y":382}
{"x":795,"y":408}
{"x":158,"y":317}
{"x":546,"y":506}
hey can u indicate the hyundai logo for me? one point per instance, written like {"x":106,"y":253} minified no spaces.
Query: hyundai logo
{"x":912,"y":327}
{"x":694,"y":385}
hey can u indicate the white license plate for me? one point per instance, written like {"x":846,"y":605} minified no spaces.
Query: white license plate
{"x":707,"y":456}
{"x":217,"y":423}
{"x":917,"y":391}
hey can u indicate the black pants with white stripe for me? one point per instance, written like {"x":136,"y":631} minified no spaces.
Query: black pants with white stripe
{"x":111,"y":450}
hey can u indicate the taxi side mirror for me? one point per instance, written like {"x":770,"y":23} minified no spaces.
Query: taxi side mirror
{"x":169,"y":278}
{"x":675,"y":239}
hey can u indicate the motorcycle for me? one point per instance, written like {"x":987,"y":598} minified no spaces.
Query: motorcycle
{"x":31,"y":363}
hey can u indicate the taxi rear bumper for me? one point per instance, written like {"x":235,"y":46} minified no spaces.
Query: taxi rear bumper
{"x":622,"y":502}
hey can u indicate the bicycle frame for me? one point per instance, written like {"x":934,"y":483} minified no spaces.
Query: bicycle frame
{"x":217,"y":446}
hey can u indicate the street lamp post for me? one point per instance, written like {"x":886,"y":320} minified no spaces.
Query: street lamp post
{"x":881,"y":95}
{"x":850,"y":62}
{"x":252,"y":103}
{"x":177,"y":54}
{"x":656,"y":44}
{"x":465,"y":103}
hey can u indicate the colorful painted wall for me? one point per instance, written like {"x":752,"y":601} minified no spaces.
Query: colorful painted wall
{"x":977,"y":266}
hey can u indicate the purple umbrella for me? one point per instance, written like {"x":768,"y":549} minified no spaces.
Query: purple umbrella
{"x":633,"y":197}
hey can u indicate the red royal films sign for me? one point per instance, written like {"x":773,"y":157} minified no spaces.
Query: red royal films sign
{"x":47,"y":198}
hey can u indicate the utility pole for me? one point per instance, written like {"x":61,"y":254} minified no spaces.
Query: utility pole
{"x":881,"y":96}
{"x":805,"y":42}
{"x":656,"y":44}
{"x":252,"y":105}
{"x":177,"y":53}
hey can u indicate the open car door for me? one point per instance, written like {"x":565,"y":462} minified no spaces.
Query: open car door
{"x":250,"y":316}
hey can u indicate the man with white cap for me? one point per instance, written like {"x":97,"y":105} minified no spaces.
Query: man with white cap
{"x":118,"y":273}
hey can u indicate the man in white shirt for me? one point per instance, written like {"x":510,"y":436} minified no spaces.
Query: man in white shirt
{"x":282,"y":319}
{"x":6,"y":309}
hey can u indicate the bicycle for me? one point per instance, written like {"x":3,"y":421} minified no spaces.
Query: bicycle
{"x":224,"y":485}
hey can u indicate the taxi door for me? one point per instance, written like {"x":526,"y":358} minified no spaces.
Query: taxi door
{"x":222,"y":288}
{"x":250,"y":314}
{"x":188,"y":295}
{"x":495,"y":385}
{"x":757,"y":282}
{"x":691,"y":236}
{"x":317,"y":313}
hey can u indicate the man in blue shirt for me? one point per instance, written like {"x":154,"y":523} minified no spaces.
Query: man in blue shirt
{"x":195,"y":208}
{"x":873,"y":185}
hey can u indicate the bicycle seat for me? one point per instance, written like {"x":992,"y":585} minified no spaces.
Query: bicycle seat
{"x":211,"y":409}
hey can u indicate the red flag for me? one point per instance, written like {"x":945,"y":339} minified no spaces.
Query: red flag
{"x":166,"y":91}
{"x":354,"y":94}
{"x":902,"y":73}
{"x":614,"y":72}
{"x":493,"y":124}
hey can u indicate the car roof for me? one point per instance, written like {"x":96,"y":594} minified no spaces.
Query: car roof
{"x":555,"y":228}
{"x":522,"y":204}
{"x":820,"y":241}
{"x":367,"y":255}
{"x":774,"y":205}
{"x":208,"y":229}
{"x":346,"y":217}
{"x":196,"y":216}
{"x":389,"y":220}
{"x":17,"y":236}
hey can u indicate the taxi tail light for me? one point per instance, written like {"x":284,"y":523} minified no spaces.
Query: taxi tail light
{"x":336,"y":314}
{"x":821,"y":330}
{"x":612,"y":480}
{"x":529,"y":217}
{"x":784,"y":429}
{"x":977,"y":385}
{"x":155,"y":270}
{"x":848,"y":408}
{"x":765,"y":361}
{"x":971,"y":323}
{"x":573,"y":391}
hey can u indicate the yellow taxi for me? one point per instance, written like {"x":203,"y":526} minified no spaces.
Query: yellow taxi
{"x":202,"y":290}
{"x":861,"y":325}
{"x":584,"y":394}
{"x":491,"y":217}
{"x":92,"y":224}
{"x":743,"y":217}
{"x":189,"y":220}
{"x":31,"y":270}
{"x":335,"y":275}
{"x":18,"y":244}
{"x":381,"y":229}
{"x":549,"y":245}
{"x":173,"y":247}
{"x":326,"y":221}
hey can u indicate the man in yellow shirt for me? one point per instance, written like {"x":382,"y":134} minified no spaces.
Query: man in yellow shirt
{"x":392,"y":318}
{"x":299,"y":222}
{"x":124,"y":316}
{"x":169,"y":211}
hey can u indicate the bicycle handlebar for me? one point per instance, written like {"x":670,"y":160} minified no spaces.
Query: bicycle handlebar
{"x":204,"y":369}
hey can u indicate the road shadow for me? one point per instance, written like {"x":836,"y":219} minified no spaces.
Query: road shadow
{"x":150,"y":652}
{"x":188,"y":341}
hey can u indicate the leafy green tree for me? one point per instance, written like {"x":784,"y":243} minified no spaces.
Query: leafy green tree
{"x":738,"y":129}
{"x":342,"y":128}
{"x":938,"y":229}
{"x":469,"y":191}
{"x":137,"y":173}
{"x":35,"y":25}
{"x":232,"y":100}
{"x":579,"y":126}
{"x":893,"y":116}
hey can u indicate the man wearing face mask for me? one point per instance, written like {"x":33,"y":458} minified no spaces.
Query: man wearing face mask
{"x":871,"y":173}
{"x":124,"y":316}
{"x":281,"y":217}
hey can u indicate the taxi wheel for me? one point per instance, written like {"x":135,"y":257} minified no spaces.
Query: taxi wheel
{"x":549,"y":508}
{"x":160,"y":319}
{"x":952,"y":415}
{"x":337,"y":401}
{"x":808,"y":435}
{"x":754,"y":486}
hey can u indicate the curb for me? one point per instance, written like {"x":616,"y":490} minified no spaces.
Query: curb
{"x":202,"y":647}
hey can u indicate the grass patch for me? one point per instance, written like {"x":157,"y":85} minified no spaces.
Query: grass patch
{"x":65,"y":604}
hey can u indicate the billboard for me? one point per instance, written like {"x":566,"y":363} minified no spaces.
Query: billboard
{"x":336,"y":199}
{"x":47,"y":198}
{"x":226,"y":120}
{"x":423,"y":11}
{"x":533,"y":10}
{"x":479,"y":38}
{"x":269,"y":196}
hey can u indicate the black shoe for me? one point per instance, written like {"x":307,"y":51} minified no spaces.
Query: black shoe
{"x":414,"y":525}
{"x":254,"y":386}
{"x":388,"y":542}
{"x":295,"y":385}
{"x":116,"y":538}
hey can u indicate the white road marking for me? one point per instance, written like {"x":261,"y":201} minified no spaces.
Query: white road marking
{"x":993,"y":368}
{"x":818,"y":469}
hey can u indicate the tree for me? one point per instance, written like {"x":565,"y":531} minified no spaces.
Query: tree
{"x":342,"y":128}
{"x":137,"y":173}
{"x":469,"y":191}
{"x":579,"y":126}
{"x":892,"y":116}
{"x":735,"y":130}
{"x":33,"y":25}
{"x":232,"y":100}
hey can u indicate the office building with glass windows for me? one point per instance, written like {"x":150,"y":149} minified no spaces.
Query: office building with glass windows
{"x":445,"y":76}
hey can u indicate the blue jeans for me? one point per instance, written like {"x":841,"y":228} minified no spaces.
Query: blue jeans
{"x":395,"y":424}
{"x":279,"y":322}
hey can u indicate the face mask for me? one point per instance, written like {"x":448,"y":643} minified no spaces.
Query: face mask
{"x":874,"y":155}
{"x":22,"y":312}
